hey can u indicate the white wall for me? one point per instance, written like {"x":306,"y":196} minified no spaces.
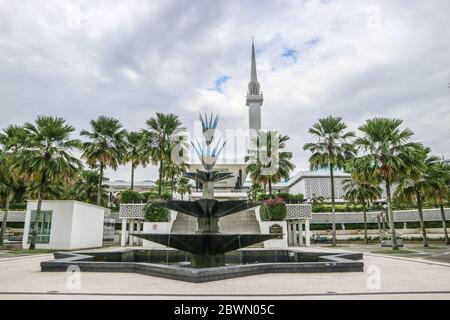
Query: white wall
{"x":155,"y":227}
{"x":298,"y":187}
{"x":264,"y":227}
{"x":274,"y":243}
{"x":87,"y":226}
{"x":75,"y":225}
{"x":60,"y":232}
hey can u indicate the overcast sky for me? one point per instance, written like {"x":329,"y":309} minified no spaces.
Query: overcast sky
{"x":129,"y":59}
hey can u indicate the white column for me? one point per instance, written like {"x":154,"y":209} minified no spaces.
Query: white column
{"x":297,"y":232}
{"x":308,"y":233}
{"x":290,"y":232}
{"x":131,"y":230}
{"x":123,"y":235}
{"x":300,"y":233}
{"x":139,"y":231}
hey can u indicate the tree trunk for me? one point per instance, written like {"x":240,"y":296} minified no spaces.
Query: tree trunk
{"x":34,"y":231}
{"x":391,"y":215}
{"x":270,"y":187}
{"x":160,"y":177}
{"x":172,"y":183}
{"x":422,"y":223}
{"x":444,"y":224}
{"x":333,"y":206}
{"x":5,"y":216}
{"x":99,"y":186}
{"x":365,"y":223}
{"x":132,"y":176}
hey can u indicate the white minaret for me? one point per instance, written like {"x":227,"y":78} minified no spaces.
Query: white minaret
{"x":254,"y":98}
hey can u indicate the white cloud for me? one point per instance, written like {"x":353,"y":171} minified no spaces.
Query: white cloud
{"x":355,"y":59}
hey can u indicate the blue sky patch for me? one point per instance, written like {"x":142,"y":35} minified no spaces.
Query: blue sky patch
{"x":219,"y":83}
{"x":290,"y":53}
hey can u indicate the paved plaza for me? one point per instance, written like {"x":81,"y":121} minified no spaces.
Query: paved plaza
{"x":400,"y":278}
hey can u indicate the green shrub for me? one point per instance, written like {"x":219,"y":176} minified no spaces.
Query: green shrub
{"x":284,"y":196}
{"x":15,"y":206}
{"x":275,"y":212}
{"x":153,"y":195}
{"x":263,"y":196}
{"x":130,"y":196}
{"x":291,"y":198}
{"x":156,"y":214}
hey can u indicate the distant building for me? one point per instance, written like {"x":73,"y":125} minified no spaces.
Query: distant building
{"x":116,"y":186}
{"x":314,"y":184}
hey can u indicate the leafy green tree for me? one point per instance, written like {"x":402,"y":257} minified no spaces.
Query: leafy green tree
{"x":130,"y":196}
{"x":331,"y":149}
{"x":268,"y":163}
{"x":158,"y":136}
{"x":364,"y":193}
{"x":137,"y":152}
{"x":46,"y":158}
{"x":12,"y":140}
{"x":173,"y":171}
{"x":85,"y":187}
{"x":415,"y":187}
{"x":183,"y":186}
{"x":388,"y":157}
{"x":438,"y":180}
{"x":255,"y":190}
{"x":106,"y":147}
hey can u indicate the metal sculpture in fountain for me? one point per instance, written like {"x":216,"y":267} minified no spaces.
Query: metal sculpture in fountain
{"x":207,"y":246}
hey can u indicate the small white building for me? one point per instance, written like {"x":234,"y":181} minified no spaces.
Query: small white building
{"x":315,"y":184}
{"x":65,"y":225}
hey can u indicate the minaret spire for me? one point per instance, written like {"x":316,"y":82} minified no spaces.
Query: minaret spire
{"x":254,"y":96}
{"x":253,"y":85}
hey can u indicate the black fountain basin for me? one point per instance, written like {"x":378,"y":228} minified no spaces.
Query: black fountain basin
{"x":176,"y":265}
{"x":207,"y":243}
{"x":207,"y":249}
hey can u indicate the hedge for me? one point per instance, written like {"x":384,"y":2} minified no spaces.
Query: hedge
{"x":130,"y":196}
{"x":156,"y":214}
{"x":276,"y":212}
{"x":15,"y":206}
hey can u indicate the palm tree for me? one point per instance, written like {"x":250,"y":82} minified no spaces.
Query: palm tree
{"x":285,"y":166}
{"x":316,"y":199}
{"x":331,"y":150}
{"x":136,"y":152}
{"x":438,"y":179}
{"x":159,"y":137}
{"x":46,"y":158}
{"x":415,"y":187}
{"x":106,"y":147}
{"x":269,"y":164}
{"x":11,"y":141}
{"x":255,"y":190}
{"x":172,"y":171}
{"x":364,"y":193}
{"x":183,"y":186}
{"x":388,"y":157}
{"x":85,"y":187}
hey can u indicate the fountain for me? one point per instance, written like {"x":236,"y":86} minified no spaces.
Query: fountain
{"x":207,"y":246}
{"x":212,"y":255}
